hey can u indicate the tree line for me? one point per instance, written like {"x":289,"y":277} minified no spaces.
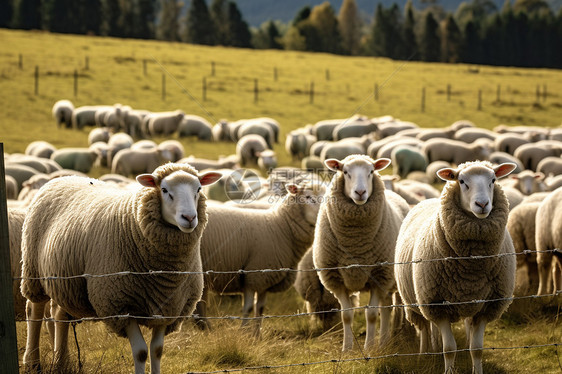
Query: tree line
{"x":523,"y":33}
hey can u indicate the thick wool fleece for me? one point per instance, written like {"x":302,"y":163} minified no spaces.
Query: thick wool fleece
{"x":251,"y":239}
{"x":347,"y":233}
{"x":84,"y":226}
{"x":15,"y":223}
{"x":521,"y":227}
{"x":437,"y":229}
{"x":549,"y":226}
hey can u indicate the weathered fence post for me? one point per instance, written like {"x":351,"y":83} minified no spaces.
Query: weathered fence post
{"x":544,"y":94}
{"x":499,"y":94}
{"x":144,"y":67}
{"x":75,"y":83}
{"x":20,"y":62}
{"x":212,"y":68}
{"x":423,"y":100}
{"x":327,"y":74}
{"x":538,"y":93}
{"x":87,"y":63}
{"x":163,"y":86}
{"x":256,"y":91}
{"x":8,"y":337}
{"x":376,"y":92}
{"x":479,"y":99}
{"x":204,"y":88}
{"x":448,"y":92}
{"x":36,"y":80}
{"x":275,"y":73}
{"x":311,"y":92}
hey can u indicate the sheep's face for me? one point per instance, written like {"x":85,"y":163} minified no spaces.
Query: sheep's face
{"x":529,"y":182}
{"x":310,"y":198}
{"x":180,"y":196}
{"x":358,"y":175}
{"x":476,"y":183}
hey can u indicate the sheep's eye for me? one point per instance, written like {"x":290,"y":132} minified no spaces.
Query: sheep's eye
{"x":461,"y":181}
{"x":372,"y":172}
{"x":199,"y":190}
{"x":164,"y":190}
{"x":345,"y":172}
{"x":493,"y":181}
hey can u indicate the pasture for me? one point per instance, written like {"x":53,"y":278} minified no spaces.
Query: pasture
{"x":112,"y":70}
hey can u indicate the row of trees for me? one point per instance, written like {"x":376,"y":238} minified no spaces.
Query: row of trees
{"x":525,"y":33}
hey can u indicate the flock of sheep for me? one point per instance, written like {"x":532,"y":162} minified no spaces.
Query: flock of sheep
{"x":405,"y":238}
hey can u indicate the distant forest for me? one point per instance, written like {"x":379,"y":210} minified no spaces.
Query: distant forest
{"x":524,"y":33}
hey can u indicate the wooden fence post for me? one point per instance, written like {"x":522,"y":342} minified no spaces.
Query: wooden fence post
{"x":75,"y":83}
{"x":144,"y":67}
{"x":275,"y":73}
{"x":8,"y":336}
{"x":204,"y":89}
{"x":499,"y":94}
{"x":311,"y":92}
{"x":212,"y":68}
{"x":87,"y":63}
{"x":376,"y":92}
{"x":36,"y":80}
{"x":327,"y":74}
{"x":256,"y":91}
{"x":544,"y":94}
{"x":479,"y":99}
{"x":423,"y":100}
{"x":20,"y":62}
{"x":163,"y":86}
{"x":538,"y":93}
{"x":448,"y":92}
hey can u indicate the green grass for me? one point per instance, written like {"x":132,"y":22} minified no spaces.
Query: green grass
{"x":115,"y":74}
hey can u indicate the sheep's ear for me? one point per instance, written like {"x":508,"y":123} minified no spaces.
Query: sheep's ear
{"x":292,"y":188}
{"x":333,"y":164}
{"x":147,"y":180}
{"x":209,"y":178}
{"x":447,"y":174}
{"x":504,"y":169}
{"x":381,"y":163}
{"x":395,"y":178}
{"x":539,"y":176}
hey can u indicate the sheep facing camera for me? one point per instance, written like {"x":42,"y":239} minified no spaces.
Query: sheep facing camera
{"x":242,"y":186}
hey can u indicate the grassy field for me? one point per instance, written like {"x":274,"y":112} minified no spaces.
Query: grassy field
{"x":342,"y":86}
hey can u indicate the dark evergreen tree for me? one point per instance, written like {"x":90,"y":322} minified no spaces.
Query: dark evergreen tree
{"x":145,"y":14}
{"x":199,"y":28}
{"x":430,"y":44}
{"x":62,"y":16}
{"x":472,"y":44}
{"x":323,"y":19}
{"x":239,"y":31}
{"x":219,"y":17}
{"x":451,"y":39}
{"x":126,"y":20}
{"x":6,"y":12}
{"x":110,"y":21}
{"x":492,"y":43}
{"x":90,"y":16}
{"x":267,"y":36}
{"x":378,"y":38}
{"x":410,"y":45}
{"x":27,"y":14}
{"x":302,"y":14}
{"x":168,"y":28}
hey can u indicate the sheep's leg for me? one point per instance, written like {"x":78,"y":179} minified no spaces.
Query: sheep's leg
{"x":425,"y":339}
{"x":61,"y":337}
{"x":371,"y":319}
{"x":556,"y":275}
{"x":201,"y":310}
{"x":385,"y":301}
{"x":449,"y":344}
{"x":248,"y":305}
{"x":476,"y":344}
{"x":258,"y":311}
{"x":50,"y":310}
{"x":544,"y":261}
{"x":468,"y":330}
{"x":138,"y":346}
{"x":31,"y":357}
{"x":347,"y":318}
{"x":156,"y":347}
{"x":397,"y":319}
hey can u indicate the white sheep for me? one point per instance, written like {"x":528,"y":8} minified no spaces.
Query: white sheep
{"x":469,"y":219}
{"x":298,"y":143}
{"x":116,"y":143}
{"x":12,"y":189}
{"x":248,"y":148}
{"x":40,"y":148}
{"x":527,"y":182}
{"x":548,"y":237}
{"x":224,"y":162}
{"x":100,"y":229}
{"x":455,"y":151}
{"x":99,"y":134}
{"x":192,"y":125}
{"x":267,"y":160}
{"x":258,"y":128}
{"x":129,"y":162}
{"x":470,"y":134}
{"x":531,"y":154}
{"x":164,"y":123}
{"x":253,"y":239}
{"x":86,"y":115}
{"x":354,"y":127}
{"x":174,"y":147}
{"x":79,"y":159}
{"x":341,"y":149}
{"x":550,"y":165}
{"x":358,"y":224}
{"x":62,"y":113}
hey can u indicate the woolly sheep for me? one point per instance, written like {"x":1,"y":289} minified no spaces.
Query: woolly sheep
{"x":406,"y":159}
{"x":99,"y":134}
{"x":470,"y":134}
{"x":62,"y":113}
{"x":81,"y":215}
{"x":553,"y":182}
{"x":433,"y":167}
{"x":548,"y":237}
{"x":531,"y":154}
{"x":192,"y":125}
{"x":40,"y":164}
{"x":79,"y":159}
{"x":131,"y":122}
{"x":550,"y":165}
{"x":248,"y":148}
{"x":341,"y":149}
{"x":461,"y":124}
{"x":385,"y":151}
{"x":508,"y":143}
{"x":427,"y":134}
{"x":318,"y":299}
{"x":323,"y":130}
{"x":85,"y":115}
{"x":298,"y":144}
{"x":11,"y":187}
{"x":40,"y":148}
{"x":454,"y":151}
{"x":356,"y":127}
{"x":358,"y":224}
{"x":468,"y":219}
{"x":129,"y":162}
{"x":392,"y":128}
{"x":101,"y":149}
{"x":267,"y":159}
{"x":312,"y":163}
{"x":116,"y":143}
{"x":513,"y":195}
{"x":257,"y":128}
{"x":527,"y":182}
{"x":265,"y":239}
{"x":144,"y":144}
{"x":221,"y":132}
{"x":20,"y":173}
{"x":503,"y":157}
{"x":411,"y":198}
{"x":175,"y":148}
{"x":164,"y":123}
{"x":228,"y":162}
{"x":15,"y":224}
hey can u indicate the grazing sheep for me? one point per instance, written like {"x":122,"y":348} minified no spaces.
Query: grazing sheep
{"x":40,"y":164}
{"x":62,"y":113}
{"x":248,"y":148}
{"x":527,"y":182}
{"x":539,"y":133}
{"x":358,"y":224}
{"x":548,"y":237}
{"x":86,"y":115}
{"x":392,"y":128}
{"x":20,"y":173}
{"x":228,"y":162}
{"x":298,"y":144}
{"x":175,"y":148}
{"x":509,"y":142}
{"x":129,"y":162}
{"x":257,"y":128}
{"x":99,"y":134}
{"x":553,"y":182}
{"x":102,"y":150}
{"x":531,"y":154}
{"x":503,"y":157}
{"x":433,"y":168}
{"x":11,"y":187}
{"x":318,"y":299}
{"x":341,"y":149}
{"x":221,"y":131}
{"x":192,"y":125}
{"x":454,"y":151}
{"x":312,"y":163}
{"x":116,"y":143}
{"x":550,"y":165}
{"x":164,"y":123}
{"x":267,"y":160}
{"x":355,"y":127}
{"x":79,"y":159}
{"x":100,"y":229}
{"x":264,"y":239}
{"x":323,"y":130}
{"x":406,"y":159}
{"x":469,"y":219}
{"x":40,"y":148}
{"x":131,"y":122}
{"x":471,"y":134}
{"x":427,"y":134}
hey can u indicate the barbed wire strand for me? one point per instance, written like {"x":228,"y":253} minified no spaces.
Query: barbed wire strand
{"x":372,"y":358}
{"x":228,"y":317}
{"x":347,"y":267}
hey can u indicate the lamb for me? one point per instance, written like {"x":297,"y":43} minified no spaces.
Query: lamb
{"x":248,"y":148}
{"x":100,"y":229}
{"x":129,"y":162}
{"x":550,"y":165}
{"x":358,"y":224}
{"x":406,"y":159}
{"x":62,"y":113}
{"x":40,"y":148}
{"x":264,"y":239}
{"x":192,"y":125}
{"x":164,"y":123}
{"x":548,"y":237}
{"x":469,"y":219}
{"x":531,"y":154}
{"x":79,"y":159}
{"x":454,"y":151}
{"x":318,"y":299}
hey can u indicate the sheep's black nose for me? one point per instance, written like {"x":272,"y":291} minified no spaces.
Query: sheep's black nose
{"x":188,"y":218}
{"x":360,"y":193}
